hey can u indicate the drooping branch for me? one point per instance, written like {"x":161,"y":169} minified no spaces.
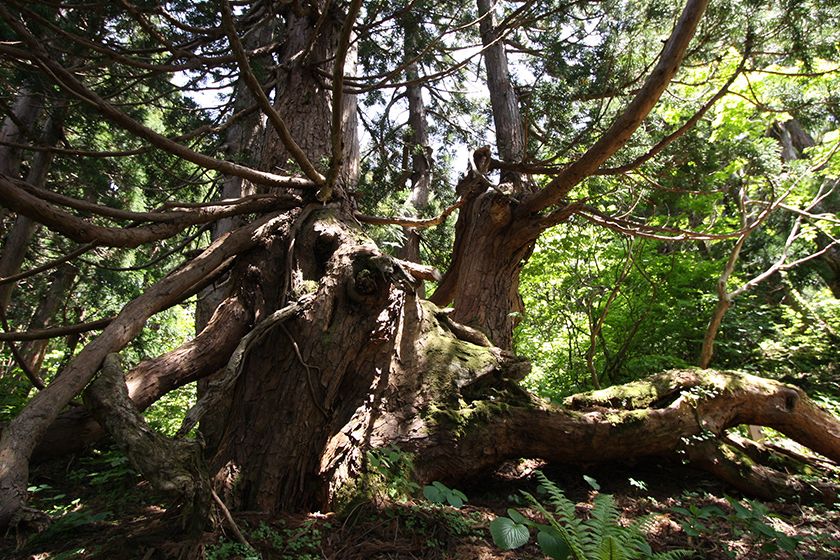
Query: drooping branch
{"x":78,"y":229}
{"x":617,"y":135}
{"x":33,"y":377}
{"x":70,"y":83}
{"x":417,"y":223}
{"x":208,"y":352}
{"x":49,"y":265}
{"x":186,"y":213}
{"x":55,"y":332}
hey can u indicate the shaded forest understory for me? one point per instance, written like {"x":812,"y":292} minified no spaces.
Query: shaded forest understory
{"x":103,"y":509}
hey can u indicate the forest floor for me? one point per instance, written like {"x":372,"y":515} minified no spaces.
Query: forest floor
{"x":101,"y":509}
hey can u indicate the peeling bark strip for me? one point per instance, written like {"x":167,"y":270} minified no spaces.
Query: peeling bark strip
{"x":173,"y":466}
{"x":224,"y":382}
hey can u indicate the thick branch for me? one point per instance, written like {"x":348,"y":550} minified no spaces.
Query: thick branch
{"x":625,"y":125}
{"x":417,"y":223}
{"x":26,"y":430}
{"x":652,"y":417}
{"x":182,"y":213}
{"x":176,"y":467}
{"x":148,"y":381}
{"x":669,"y":139}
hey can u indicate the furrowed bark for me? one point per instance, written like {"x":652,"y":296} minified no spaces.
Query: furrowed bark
{"x":510,"y":133}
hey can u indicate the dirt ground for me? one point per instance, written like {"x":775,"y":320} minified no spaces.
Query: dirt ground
{"x":111,"y":514}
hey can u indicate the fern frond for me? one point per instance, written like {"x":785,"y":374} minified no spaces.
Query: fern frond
{"x":564,"y":508}
{"x":611,"y":549}
{"x":561,"y":528}
{"x":672,"y":554}
{"x":604,"y":515}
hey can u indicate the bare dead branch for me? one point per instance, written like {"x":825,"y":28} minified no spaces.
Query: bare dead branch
{"x":417,"y":223}
{"x":49,"y":265}
{"x":55,"y":332}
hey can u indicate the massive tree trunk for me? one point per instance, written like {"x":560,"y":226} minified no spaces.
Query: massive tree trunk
{"x":365,"y":364}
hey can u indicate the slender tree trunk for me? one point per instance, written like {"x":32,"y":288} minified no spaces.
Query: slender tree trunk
{"x":54,"y":296}
{"x":510,"y":133}
{"x":17,"y":241}
{"x":16,"y":128}
{"x":418,"y":147}
{"x":708,"y":349}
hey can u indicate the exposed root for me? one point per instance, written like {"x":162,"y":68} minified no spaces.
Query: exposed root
{"x":229,"y":519}
{"x":730,"y":464}
{"x":175,"y":467}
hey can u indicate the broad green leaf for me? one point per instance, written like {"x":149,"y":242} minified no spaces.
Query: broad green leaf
{"x":508,"y":534}
{"x":592,"y":482}
{"x":552,"y":545}
{"x":454,"y":500}
{"x":433,"y":494}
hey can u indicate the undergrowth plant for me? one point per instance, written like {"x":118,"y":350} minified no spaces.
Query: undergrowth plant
{"x":565,"y":536}
{"x":697,"y":521}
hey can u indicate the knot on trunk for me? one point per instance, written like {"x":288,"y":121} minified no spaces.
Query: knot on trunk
{"x":374,"y":274}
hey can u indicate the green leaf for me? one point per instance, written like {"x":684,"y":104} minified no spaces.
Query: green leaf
{"x":553,"y":545}
{"x":592,"y":482}
{"x":508,"y":534}
{"x":517,"y":517}
{"x":611,"y":549}
{"x":454,"y":500}
{"x":433,"y":494}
